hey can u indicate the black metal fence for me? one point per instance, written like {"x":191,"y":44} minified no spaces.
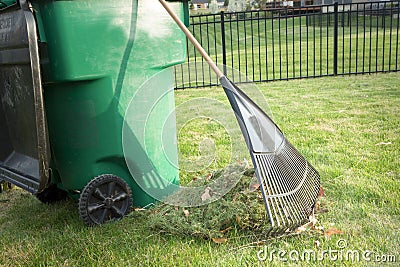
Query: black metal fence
{"x":288,"y":43}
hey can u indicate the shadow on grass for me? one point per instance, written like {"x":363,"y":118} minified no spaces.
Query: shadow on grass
{"x":23,"y":211}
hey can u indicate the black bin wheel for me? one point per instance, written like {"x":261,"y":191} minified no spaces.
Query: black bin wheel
{"x":106,"y":197}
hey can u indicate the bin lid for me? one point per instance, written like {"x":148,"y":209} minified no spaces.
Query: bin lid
{"x":24,"y":145}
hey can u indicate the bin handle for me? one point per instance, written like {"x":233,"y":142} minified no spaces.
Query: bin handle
{"x":193,"y":40}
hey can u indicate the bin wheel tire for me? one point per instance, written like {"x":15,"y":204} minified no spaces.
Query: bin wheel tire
{"x":52,"y":194}
{"x":106,"y":197}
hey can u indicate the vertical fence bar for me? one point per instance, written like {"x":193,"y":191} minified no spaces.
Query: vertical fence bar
{"x":314,"y":52}
{"x":293,"y":45}
{"x":245,"y":43}
{"x":327,"y":41}
{"x":231,"y":44}
{"x":286,"y":45}
{"x":364,"y":43}
{"x":238,"y":45}
{"x":201,"y":43}
{"x":370,"y":39}
{"x":300,"y":41}
{"x":377,"y":41}
{"x":259,"y":46}
{"x":223,"y":41}
{"x":343,"y":39}
{"x":320,"y":42}
{"x":308,"y":44}
{"x":215,"y":21}
{"x":356,"y":12}
{"x":384,"y":35}
{"x":390,"y":38}
{"x":266,"y":45}
{"x":397,"y":36}
{"x":273,"y":46}
{"x":349,"y":23}
{"x":252,"y":46}
{"x":335,"y":39}
{"x":280,"y":45}
{"x":209,"y":51}
{"x":195,"y":56}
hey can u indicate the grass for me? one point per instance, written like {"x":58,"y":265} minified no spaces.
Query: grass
{"x":347,"y":127}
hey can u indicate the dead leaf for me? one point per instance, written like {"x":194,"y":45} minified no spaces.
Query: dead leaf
{"x":323,"y":210}
{"x":253,"y":187}
{"x":310,"y":225}
{"x":226,"y":230}
{"x":238,"y":220}
{"x":139,"y":209}
{"x":315,"y":226}
{"x":206,"y":195}
{"x":219,"y":240}
{"x":332,"y":231}
{"x":185,"y":212}
{"x":195,"y":179}
{"x":321,"y":192}
{"x":319,"y":209}
{"x":176,"y":207}
{"x":317,"y":205}
{"x":383,"y":144}
{"x":300,"y":229}
{"x":209,"y":176}
{"x":313,"y":220}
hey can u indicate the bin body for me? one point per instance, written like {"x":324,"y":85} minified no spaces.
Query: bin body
{"x":95,"y":57}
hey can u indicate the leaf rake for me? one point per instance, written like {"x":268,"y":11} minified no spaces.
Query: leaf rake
{"x":289,"y":184}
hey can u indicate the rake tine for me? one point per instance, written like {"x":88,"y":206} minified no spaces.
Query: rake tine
{"x":279,"y":175}
{"x":282,"y":200}
{"x":285,"y":183}
{"x":306,"y":195}
{"x":268,"y":199}
{"x":294,"y":198}
{"x":274,"y":189}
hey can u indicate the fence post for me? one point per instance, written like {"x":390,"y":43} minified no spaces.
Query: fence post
{"x":223,"y":41}
{"x":335,"y":39}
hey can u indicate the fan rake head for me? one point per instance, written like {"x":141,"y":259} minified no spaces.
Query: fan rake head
{"x":289,"y":185}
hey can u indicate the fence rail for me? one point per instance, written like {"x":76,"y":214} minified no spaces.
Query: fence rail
{"x":289,"y":43}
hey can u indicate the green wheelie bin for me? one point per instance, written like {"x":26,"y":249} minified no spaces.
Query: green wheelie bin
{"x":69,"y":73}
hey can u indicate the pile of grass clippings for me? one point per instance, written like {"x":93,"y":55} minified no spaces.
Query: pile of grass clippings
{"x":240,"y":210}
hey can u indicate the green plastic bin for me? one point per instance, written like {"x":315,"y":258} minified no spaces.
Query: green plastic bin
{"x":95,"y":56}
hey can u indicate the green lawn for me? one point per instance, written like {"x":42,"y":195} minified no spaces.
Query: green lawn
{"x":347,"y":127}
